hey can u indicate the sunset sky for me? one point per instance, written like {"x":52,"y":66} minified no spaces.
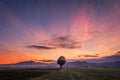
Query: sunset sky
{"x":43,"y":30}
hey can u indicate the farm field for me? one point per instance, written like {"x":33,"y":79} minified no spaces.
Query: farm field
{"x":85,"y":74}
{"x":63,"y":74}
{"x":24,"y":73}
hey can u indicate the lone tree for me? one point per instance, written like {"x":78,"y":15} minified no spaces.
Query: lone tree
{"x":61,"y":61}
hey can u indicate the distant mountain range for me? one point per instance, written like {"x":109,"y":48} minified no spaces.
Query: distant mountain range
{"x":86,"y":64}
{"x":68,"y":64}
{"x":28,"y":64}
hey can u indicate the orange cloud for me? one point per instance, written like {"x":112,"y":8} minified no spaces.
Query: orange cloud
{"x":45,"y":61}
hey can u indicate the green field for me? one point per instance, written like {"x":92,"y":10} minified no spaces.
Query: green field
{"x":63,"y":74}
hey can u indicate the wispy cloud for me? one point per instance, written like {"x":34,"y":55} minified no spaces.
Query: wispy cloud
{"x":45,"y":61}
{"x":115,"y":57}
{"x":111,"y":58}
{"x":58,"y":41}
{"x":94,"y":55}
{"x":40,"y":47}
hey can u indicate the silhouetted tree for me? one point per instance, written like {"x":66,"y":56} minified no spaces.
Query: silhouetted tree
{"x":61,"y":61}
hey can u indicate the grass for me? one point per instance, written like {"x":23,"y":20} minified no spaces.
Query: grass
{"x":86,"y":74}
{"x":23,"y":73}
{"x":63,"y":74}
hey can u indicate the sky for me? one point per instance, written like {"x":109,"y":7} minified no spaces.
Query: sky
{"x":43,"y":30}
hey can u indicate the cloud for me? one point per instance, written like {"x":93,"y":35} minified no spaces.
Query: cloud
{"x":111,"y":58}
{"x":45,"y":61}
{"x":65,"y":42}
{"x":90,"y":55}
{"x":115,"y":57}
{"x":40,"y":47}
{"x":58,"y":41}
{"x":95,"y":55}
{"x":118,"y":53}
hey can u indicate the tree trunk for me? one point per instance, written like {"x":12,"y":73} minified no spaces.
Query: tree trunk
{"x":60,"y":66}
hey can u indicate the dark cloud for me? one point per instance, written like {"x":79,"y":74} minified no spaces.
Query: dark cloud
{"x":90,"y":55}
{"x":118,"y":53}
{"x":65,"y":42}
{"x":40,"y":47}
{"x":96,"y":55}
{"x":111,"y":58}
{"x":58,"y":42}
{"x":115,"y":57}
{"x":46,"y":60}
